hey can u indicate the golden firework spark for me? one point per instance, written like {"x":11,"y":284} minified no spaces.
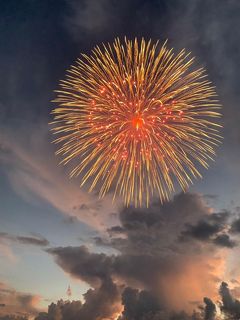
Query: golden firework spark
{"x":136,"y":118}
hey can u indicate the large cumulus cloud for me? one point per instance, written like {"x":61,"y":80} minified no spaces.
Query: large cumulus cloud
{"x":163,"y":250}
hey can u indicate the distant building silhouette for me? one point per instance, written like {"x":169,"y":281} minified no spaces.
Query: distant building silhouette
{"x":69,"y":291}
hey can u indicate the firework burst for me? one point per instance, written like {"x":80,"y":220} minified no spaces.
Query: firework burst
{"x":137,"y":119}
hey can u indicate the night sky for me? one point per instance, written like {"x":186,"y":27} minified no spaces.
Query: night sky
{"x":178,"y":260}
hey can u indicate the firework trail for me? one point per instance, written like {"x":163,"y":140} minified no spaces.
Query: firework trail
{"x":135,"y":118}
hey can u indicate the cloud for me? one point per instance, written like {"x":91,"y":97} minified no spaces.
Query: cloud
{"x":139,"y":305}
{"x":224,"y":241}
{"x":201,"y":231}
{"x":105,"y":300}
{"x":17,"y":303}
{"x":211,"y":228}
{"x":151,"y":257}
{"x":89,"y":20}
{"x":101,"y":303}
{"x":34,"y":240}
{"x":230,"y":306}
{"x":156,"y":228}
{"x":34,"y":174}
{"x":93,"y":268}
{"x":61,"y":310}
{"x":90,"y":16}
{"x":6,"y":251}
{"x":98,"y":304}
{"x":13,"y":317}
{"x":235,"y":228}
{"x":142,"y":305}
{"x":7,"y":241}
{"x":210,"y":309}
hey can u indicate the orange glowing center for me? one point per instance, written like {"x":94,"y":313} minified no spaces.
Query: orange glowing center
{"x":137,"y":122}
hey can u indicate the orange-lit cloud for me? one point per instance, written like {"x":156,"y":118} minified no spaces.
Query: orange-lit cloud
{"x":198,"y":277}
{"x":17,"y":303}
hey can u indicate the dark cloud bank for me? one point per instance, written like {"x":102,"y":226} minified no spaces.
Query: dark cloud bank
{"x":155,"y":248}
{"x":165,"y":253}
{"x":139,"y":305}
